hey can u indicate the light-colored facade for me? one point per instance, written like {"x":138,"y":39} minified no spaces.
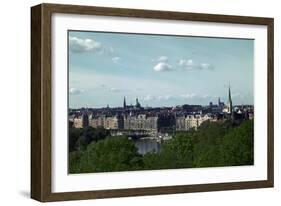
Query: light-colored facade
{"x":251,"y":116}
{"x":140,"y":122}
{"x":106,"y":122}
{"x":136,"y":122}
{"x":189,"y":122}
{"x":78,"y":122}
{"x":180,"y":123}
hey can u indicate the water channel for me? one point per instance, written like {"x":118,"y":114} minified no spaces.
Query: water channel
{"x":146,"y":145}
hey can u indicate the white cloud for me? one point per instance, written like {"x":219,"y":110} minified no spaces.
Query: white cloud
{"x":184,"y":62}
{"x":189,"y":64}
{"x":75,"y":91}
{"x":206,"y":96}
{"x":206,"y":66}
{"x":188,"y":96}
{"x":162,"y":67}
{"x":111,"y":50}
{"x":182,"y":97}
{"x":165,"y":97}
{"x":113,"y":89}
{"x":79,"y":45}
{"x":162,"y":59}
{"x":116,"y":59}
{"x":149,"y":97}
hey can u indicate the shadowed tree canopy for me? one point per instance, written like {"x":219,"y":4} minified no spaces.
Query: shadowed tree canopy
{"x":110,"y":154}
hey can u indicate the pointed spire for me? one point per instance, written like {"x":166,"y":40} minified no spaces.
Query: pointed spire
{"x":124,"y":102}
{"x":137,"y":103}
{"x":229,"y":104}
{"x":229,"y":94}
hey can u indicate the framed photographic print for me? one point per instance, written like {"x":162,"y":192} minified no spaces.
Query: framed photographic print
{"x":130,"y":102}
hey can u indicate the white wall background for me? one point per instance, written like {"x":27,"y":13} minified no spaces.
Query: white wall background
{"x":15,"y":102}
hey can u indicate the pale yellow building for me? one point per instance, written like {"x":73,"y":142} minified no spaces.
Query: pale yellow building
{"x":192,"y":121}
{"x":141,"y":122}
{"x":114,"y":122}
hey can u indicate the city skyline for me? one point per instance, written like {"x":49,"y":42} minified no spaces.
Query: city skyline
{"x":158,"y":70}
{"x":136,"y":101}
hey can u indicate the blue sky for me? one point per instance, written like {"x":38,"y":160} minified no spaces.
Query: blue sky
{"x":159,"y":70}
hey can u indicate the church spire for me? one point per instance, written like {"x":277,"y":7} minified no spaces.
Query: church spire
{"x":229,"y":103}
{"x":124,"y":103}
{"x":229,"y":94}
{"x":138,"y":105}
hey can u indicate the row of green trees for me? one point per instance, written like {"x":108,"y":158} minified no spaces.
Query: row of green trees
{"x":214,"y":144}
{"x":79,"y":139}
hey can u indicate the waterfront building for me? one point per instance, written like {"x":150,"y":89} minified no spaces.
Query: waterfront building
{"x":188,"y":122}
{"x":107,"y":122}
{"x":180,"y":123}
{"x":140,"y":122}
{"x":159,"y":119}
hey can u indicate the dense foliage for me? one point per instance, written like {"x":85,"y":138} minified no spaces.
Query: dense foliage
{"x":213,"y":144}
{"x":79,"y":139}
{"x":111,"y":154}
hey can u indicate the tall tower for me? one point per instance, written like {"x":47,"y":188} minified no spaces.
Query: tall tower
{"x":124,"y":103}
{"x":229,"y":103}
{"x":137,"y":103}
{"x":219,"y":102}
